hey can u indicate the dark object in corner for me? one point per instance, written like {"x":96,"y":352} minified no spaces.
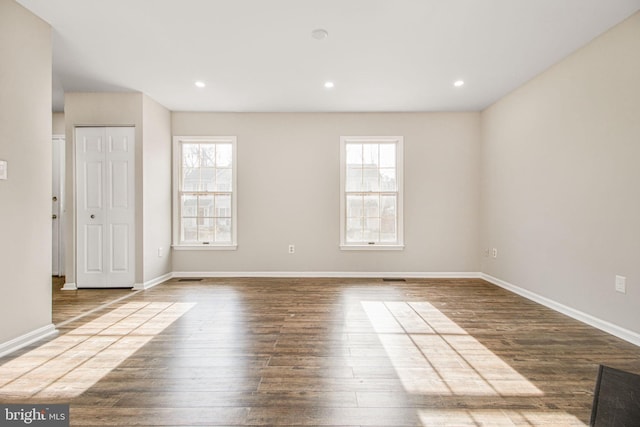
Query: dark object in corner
{"x":616,"y":399}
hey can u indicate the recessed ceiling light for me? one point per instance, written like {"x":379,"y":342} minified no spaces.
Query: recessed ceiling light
{"x":200,"y":83}
{"x":458,"y":83}
{"x":329,"y":85}
{"x":319,"y":34}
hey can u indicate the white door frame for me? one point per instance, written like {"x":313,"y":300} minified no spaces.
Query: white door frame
{"x":58,"y":206}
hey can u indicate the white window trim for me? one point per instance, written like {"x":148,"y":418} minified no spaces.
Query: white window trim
{"x":176,"y":245}
{"x":399,"y":141}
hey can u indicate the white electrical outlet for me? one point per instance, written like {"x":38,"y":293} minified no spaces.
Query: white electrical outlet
{"x":160,"y":252}
{"x":621,"y":284}
{"x":3,"y":169}
{"x":494,"y":253}
{"x":292,"y":249}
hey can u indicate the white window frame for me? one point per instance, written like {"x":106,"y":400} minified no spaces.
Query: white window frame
{"x":177,"y":141}
{"x":377,"y":246}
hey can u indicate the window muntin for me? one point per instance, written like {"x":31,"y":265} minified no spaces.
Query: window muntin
{"x":205,"y":199}
{"x":371,"y":196}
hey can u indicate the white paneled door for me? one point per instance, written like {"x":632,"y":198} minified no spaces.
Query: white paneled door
{"x":105,"y":216}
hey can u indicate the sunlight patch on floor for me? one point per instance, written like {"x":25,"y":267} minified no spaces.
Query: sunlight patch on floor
{"x":496,"y":418}
{"x":72,"y":363}
{"x":434,"y":355}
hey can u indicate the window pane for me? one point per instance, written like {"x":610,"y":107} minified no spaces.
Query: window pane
{"x":189,"y":230}
{"x":223,"y":180}
{"x":387,"y":155}
{"x":388,"y":206}
{"x":191,"y":155}
{"x":190,"y":179}
{"x":370,"y":155}
{"x":388,"y":180}
{"x":354,"y":206}
{"x":223,"y":230}
{"x":371,"y":230}
{"x":223,"y":205}
{"x":388,"y":212}
{"x":354,"y":179}
{"x":207,"y":179}
{"x":189,"y":205}
{"x":354,"y":230}
{"x":208,"y":155}
{"x":205,"y":206}
{"x":371,"y":206}
{"x":223,"y":155}
{"x":354,"y":154}
{"x":371,"y":179}
{"x":388,"y":229}
{"x":205,"y":230}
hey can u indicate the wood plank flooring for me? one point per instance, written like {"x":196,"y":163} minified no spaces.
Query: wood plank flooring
{"x":70,"y":304}
{"x":315,"y":352}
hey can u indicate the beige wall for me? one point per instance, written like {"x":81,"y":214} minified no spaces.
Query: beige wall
{"x":560,"y":180}
{"x":25,"y":197}
{"x":101,"y":109}
{"x":156,"y":148}
{"x":288,"y":192}
{"x":58,"y":124}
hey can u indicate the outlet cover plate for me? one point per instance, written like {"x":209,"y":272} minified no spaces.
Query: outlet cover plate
{"x":621,"y":284}
{"x":3,"y":169}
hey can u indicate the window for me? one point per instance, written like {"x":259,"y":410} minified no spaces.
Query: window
{"x":371,"y":193}
{"x":204,"y":185}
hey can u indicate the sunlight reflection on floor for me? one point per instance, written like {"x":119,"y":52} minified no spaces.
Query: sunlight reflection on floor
{"x":70,"y":364}
{"x":496,"y":417}
{"x":432,"y":354}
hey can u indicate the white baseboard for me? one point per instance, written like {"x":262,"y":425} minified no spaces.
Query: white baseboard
{"x":70,"y":287}
{"x":329,"y":274}
{"x":153,"y":282}
{"x":26,"y":339}
{"x":603,"y":325}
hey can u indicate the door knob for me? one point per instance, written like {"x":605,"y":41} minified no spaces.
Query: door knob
{"x":92,"y":216}
{"x":54,"y":216}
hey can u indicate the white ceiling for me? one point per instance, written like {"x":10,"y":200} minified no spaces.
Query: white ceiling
{"x":258,"y":55}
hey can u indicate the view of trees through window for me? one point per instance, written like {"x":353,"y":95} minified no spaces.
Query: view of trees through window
{"x":371,"y":193}
{"x":206,"y":173}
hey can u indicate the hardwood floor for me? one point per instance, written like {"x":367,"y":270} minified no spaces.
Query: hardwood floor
{"x":70,"y":304}
{"x":315,"y":352}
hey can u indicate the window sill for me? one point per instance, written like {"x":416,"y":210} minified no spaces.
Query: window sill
{"x":204,"y":247}
{"x":380,"y":247}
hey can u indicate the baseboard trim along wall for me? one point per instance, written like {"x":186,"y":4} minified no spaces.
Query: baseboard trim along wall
{"x":603,"y":325}
{"x":153,"y":282}
{"x":26,"y":339}
{"x":329,"y":274}
{"x":70,"y":287}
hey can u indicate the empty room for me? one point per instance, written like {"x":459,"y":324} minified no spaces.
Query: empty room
{"x":340,"y":213}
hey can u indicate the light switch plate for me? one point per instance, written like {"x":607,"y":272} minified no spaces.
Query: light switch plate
{"x":3,"y":169}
